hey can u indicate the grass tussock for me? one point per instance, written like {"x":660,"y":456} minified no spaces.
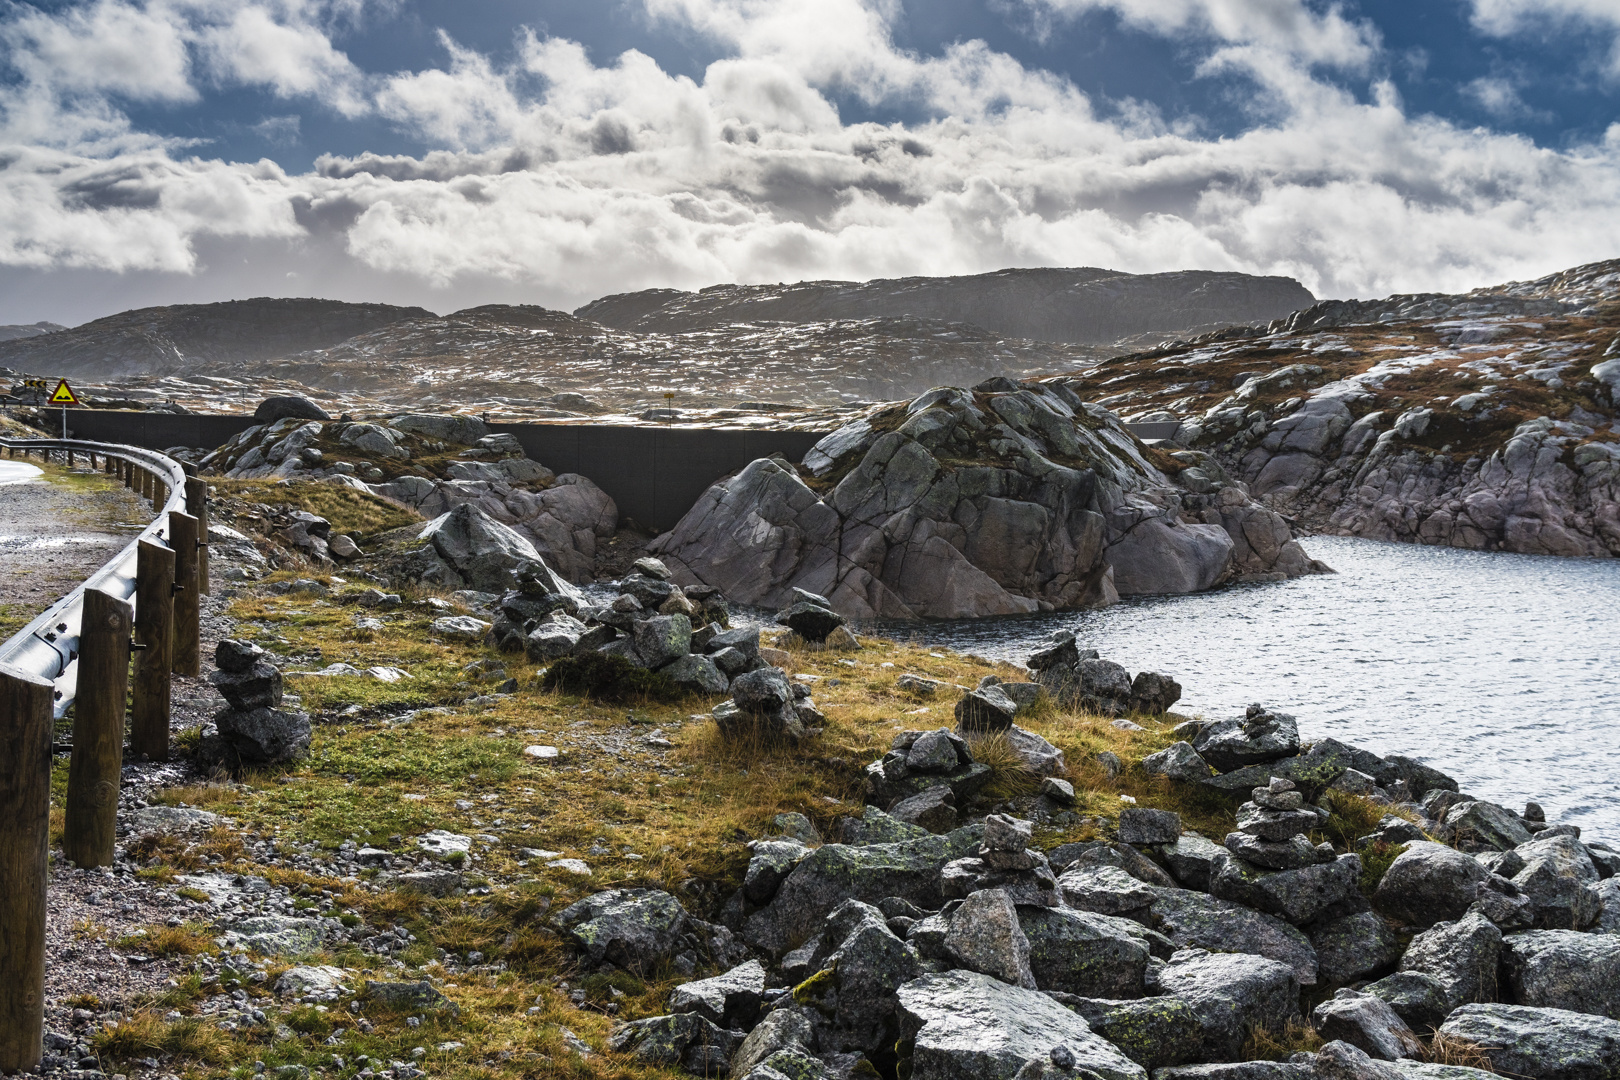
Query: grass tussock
{"x":350,"y":511}
{"x":1450,"y":1050}
{"x":1010,"y":777}
{"x":1263,"y":1044}
{"x":185,"y":940}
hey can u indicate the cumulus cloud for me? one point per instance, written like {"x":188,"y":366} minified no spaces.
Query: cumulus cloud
{"x":1505,"y":18}
{"x":1313,"y":33}
{"x":573,"y":178}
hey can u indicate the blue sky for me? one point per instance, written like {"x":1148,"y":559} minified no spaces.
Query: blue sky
{"x":449,"y":153}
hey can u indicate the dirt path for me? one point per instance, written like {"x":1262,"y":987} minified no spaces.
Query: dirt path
{"x":56,"y":528}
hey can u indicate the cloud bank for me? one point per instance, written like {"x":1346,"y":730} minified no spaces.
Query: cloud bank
{"x":570,"y":178}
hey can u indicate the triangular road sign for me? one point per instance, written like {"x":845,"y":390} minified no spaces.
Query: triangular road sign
{"x":64,"y":394}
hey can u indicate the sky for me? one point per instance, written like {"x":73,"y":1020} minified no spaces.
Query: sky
{"x":449,"y":153}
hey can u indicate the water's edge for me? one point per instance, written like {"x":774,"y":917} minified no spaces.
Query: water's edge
{"x":1496,"y":668}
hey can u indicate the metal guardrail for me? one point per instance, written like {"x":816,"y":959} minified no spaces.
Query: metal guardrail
{"x":49,"y":646}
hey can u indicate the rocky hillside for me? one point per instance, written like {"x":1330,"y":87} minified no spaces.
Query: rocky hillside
{"x":195,"y":338}
{"x":1085,"y":305}
{"x":16,"y":330}
{"x":1003,"y":500}
{"x":1485,"y":420}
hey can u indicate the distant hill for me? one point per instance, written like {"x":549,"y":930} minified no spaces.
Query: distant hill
{"x":18,"y":330}
{"x":159,"y":340}
{"x":1084,"y":306}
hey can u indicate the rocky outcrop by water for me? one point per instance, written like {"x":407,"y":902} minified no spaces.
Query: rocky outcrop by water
{"x":1007,"y":499}
{"x":1483,"y":421}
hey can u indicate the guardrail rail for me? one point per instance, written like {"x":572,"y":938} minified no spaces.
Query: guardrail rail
{"x":143,"y":602}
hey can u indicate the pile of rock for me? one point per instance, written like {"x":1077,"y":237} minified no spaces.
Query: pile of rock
{"x":1080,"y":679}
{"x":254,"y":729}
{"x":813,"y":622}
{"x":938,"y":943}
{"x":652,"y":624}
{"x":562,"y":517}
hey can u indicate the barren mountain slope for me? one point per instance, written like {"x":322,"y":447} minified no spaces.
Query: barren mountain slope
{"x":1484,"y":420}
{"x":520,"y":358}
{"x":1085,"y":305}
{"x":189,"y":337}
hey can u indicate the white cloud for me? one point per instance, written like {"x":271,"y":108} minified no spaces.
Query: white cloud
{"x":572,"y":178}
{"x":1303,"y":30}
{"x":1506,"y":18}
{"x":284,"y":49}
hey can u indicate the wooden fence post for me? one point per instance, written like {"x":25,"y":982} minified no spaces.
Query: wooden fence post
{"x":98,"y":730}
{"x":25,"y":807}
{"x":197,"y":507}
{"x":187,"y":597}
{"x":154,"y":629}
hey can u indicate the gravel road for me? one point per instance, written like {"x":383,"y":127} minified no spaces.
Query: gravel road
{"x":54,"y":532}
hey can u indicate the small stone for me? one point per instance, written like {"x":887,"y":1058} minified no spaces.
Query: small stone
{"x":1058,"y":790}
{"x":1140,"y":825}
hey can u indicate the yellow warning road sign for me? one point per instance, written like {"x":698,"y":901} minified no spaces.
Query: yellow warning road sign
{"x":64,"y":394}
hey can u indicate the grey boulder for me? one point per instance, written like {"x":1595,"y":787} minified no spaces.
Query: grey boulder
{"x":1354,"y":946}
{"x":1461,"y":955}
{"x":1367,"y":1023}
{"x":1140,"y":825}
{"x":1557,"y":879}
{"x":1542,"y":1044}
{"x":1233,"y":994}
{"x":1417,"y":998}
{"x":1297,"y":896}
{"x":264,"y":736}
{"x":1193,"y":919}
{"x":635,"y":929}
{"x":1485,"y":826}
{"x":1429,"y":883}
{"x":985,"y":936}
{"x":1259,"y":737}
{"x":683,"y":1039}
{"x":1564,"y":969}
{"x":961,"y":1025}
{"x":1179,"y":761}
{"x":731,"y":1000}
{"x":1079,"y":952}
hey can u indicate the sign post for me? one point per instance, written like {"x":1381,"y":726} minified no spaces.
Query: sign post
{"x":64,"y":397}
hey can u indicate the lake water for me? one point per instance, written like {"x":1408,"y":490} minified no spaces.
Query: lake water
{"x":1498,"y":669}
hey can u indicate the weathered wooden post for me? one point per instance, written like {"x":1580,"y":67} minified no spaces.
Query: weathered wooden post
{"x":98,"y":730}
{"x":25,"y":807}
{"x":154,"y":632}
{"x":187,"y":597}
{"x":197,"y":507}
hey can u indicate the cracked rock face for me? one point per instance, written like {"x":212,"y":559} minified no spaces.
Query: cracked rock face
{"x":963,"y":504}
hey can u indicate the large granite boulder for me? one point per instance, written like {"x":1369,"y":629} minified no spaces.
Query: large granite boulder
{"x":854,"y":986}
{"x":910,"y":531}
{"x":961,"y":1025}
{"x":482,"y":553}
{"x":1462,"y":955}
{"x":1078,"y":952}
{"x":1564,"y":969}
{"x":635,"y":929}
{"x":1368,"y":1023}
{"x":834,"y":873}
{"x":1233,"y":994}
{"x":1298,"y":896}
{"x":564,"y":517}
{"x":1192,"y":919}
{"x":1154,"y":1032}
{"x":1428,"y":883}
{"x":289,"y":406}
{"x":1557,"y":878}
{"x":1542,"y":1044}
